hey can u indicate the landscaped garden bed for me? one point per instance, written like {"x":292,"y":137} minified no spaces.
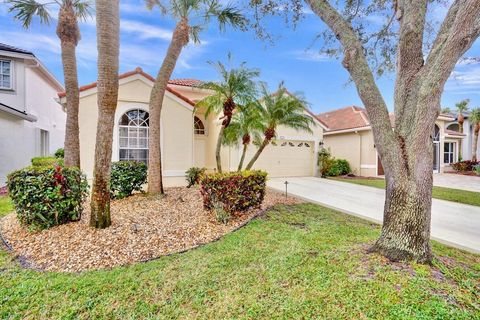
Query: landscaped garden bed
{"x":143,"y":228}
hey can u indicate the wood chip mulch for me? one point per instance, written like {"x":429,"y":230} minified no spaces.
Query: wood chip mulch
{"x":143,"y":228}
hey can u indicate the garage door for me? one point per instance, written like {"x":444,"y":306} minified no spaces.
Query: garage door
{"x":285,"y":158}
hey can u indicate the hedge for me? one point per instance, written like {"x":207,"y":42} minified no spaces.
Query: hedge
{"x":236,"y":191}
{"x":47,"y":196}
{"x":467,"y":165}
{"x":127,"y":177}
{"x":39,"y":162}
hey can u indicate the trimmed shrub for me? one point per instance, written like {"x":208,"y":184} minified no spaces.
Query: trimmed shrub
{"x":477,"y":169}
{"x":343,"y":166}
{"x":60,"y":153}
{"x":41,"y":162}
{"x":325,"y":162}
{"x":466,"y":165}
{"x":47,"y":196}
{"x":127,"y":177}
{"x":237,"y":191}
{"x":193,"y":175}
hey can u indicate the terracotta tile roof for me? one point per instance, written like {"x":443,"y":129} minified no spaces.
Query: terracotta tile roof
{"x":345,"y":118}
{"x":185,"y":82}
{"x":137,"y":70}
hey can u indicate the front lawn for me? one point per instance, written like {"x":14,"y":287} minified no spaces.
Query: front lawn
{"x":5,"y":206}
{"x":449,"y":194}
{"x":299,"y":261}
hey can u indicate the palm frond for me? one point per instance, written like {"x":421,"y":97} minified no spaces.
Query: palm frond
{"x":475,"y":116}
{"x":151,"y":4}
{"x":195,"y":33}
{"x":83,"y":9}
{"x":25,"y":10}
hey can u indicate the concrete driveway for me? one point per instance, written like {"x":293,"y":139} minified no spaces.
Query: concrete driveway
{"x":457,"y":181}
{"x":454,"y":224}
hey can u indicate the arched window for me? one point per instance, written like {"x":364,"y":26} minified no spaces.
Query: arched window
{"x":133,"y":136}
{"x":198,"y":126}
{"x":436,"y":134}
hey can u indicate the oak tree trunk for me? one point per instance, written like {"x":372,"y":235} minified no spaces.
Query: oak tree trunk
{"x":407,"y":151}
{"x":218,"y":149}
{"x":69,"y":35}
{"x":180,"y":39}
{"x":108,"y":42}
{"x":242,"y":159}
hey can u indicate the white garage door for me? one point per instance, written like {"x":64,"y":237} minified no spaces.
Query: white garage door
{"x":285,"y":159}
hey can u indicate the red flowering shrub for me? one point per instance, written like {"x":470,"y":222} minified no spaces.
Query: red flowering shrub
{"x":236,"y":191}
{"x":467,"y":165}
{"x":47,"y":196}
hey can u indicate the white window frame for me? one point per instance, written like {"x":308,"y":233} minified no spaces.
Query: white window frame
{"x":10,"y":75}
{"x":44,"y":143}
{"x":199,"y":131}
{"x":136,"y":138}
{"x":451,"y":153}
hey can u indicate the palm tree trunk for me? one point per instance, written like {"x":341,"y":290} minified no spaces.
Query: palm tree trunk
{"x":180,"y":39}
{"x":265,"y":143}
{"x":219,"y":148}
{"x":475,"y":142}
{"x":69,"y":34}
{"x":240,"y":165}
{"x":108,"y":42}
{"x":72,"y":143}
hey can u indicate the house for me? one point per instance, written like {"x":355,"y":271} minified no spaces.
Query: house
{"x":188,"y":137}
{"x":32,"y":123}
{"x":349,"y":136}
{"x":467,"y":141}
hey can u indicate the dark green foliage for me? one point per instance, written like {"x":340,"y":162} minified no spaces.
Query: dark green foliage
{"x":331,"y":167}
{"x":42,"y":162}
{"x":60,"y":153}
{"x":237,"y":191}
{"x":47,"y":196}
{"x":193,"y":175}
{"x":127,"y":177}
{"x":342,"y":166}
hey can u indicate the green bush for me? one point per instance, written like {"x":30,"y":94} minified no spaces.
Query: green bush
{"x":325,"y":162}
{"x":237,"y":191}
{"x":343,"y":166}
{"x":41,"y":162}
{"x":127,"y":177}
{"x":193,"y":175}
{"x":47,"y":196}
{"x":60,"y":153}
{"x":477,"y":169}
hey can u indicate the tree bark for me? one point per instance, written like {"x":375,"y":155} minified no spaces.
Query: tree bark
{"x":180,"y":39}
{"x":108,"y":42}
{"x":407,"y":152}
{"x":242,"y":159}
{"x":218,"y":149}
{"x":475,"y":142}
{"x":69,"y":35}
{"x":257,"y":154}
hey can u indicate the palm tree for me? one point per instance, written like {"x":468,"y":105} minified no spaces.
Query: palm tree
{"x":475,"y":120}
{"x":69,"y":34}
{"x":281,"y":109}
{"x":245,"y":125}
{"x":446,"y":110}
{"x":236,"y":87}
{"x":461,"y":107}
{"x":108,"y":43}
{"x":184,"y":12}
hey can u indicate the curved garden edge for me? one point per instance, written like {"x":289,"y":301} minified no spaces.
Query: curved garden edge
{"x":38,"y":262}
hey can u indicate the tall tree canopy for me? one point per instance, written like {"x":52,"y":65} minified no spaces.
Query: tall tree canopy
{"x":423,"y":53}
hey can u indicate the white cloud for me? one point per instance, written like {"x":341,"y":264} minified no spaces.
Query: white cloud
{"x":310,"y":55}
{"x":145,"y":31}
{"x":464,"y":80}
{"x":31,"y":41}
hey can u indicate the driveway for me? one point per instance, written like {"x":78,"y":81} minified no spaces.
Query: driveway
{"x":454,"y":224}
{"x":457,"y":181}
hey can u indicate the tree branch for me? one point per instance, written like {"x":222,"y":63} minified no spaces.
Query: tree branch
{"x":356,"y":64}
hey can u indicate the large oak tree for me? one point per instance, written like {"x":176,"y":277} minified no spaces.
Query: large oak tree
{"x":421,"y":71}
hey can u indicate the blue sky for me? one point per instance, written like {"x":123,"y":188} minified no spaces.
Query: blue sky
{"x":145,"y":36}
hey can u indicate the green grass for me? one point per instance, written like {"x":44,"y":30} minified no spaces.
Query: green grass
{"x":449,"y":194}
{"x":5,"y":205}
{"x":302,"y":261}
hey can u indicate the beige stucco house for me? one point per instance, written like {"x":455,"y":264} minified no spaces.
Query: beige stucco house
{"x":349,"y":136}
{"x":188,"y":138}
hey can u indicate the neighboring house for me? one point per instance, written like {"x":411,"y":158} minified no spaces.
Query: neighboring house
{"x":349,"y":136}
{"x":467,"y":142}
{"x":32,"y":123}
{"x":188,"y":138}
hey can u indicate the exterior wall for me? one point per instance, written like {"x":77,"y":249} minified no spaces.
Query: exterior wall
{"x":346,"y":146}
{"x":20,"y":139}
{"x":176,"y":133}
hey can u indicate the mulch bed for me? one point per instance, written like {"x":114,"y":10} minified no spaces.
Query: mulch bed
{"x":143,"y":228}
{"x":464,"y":173}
